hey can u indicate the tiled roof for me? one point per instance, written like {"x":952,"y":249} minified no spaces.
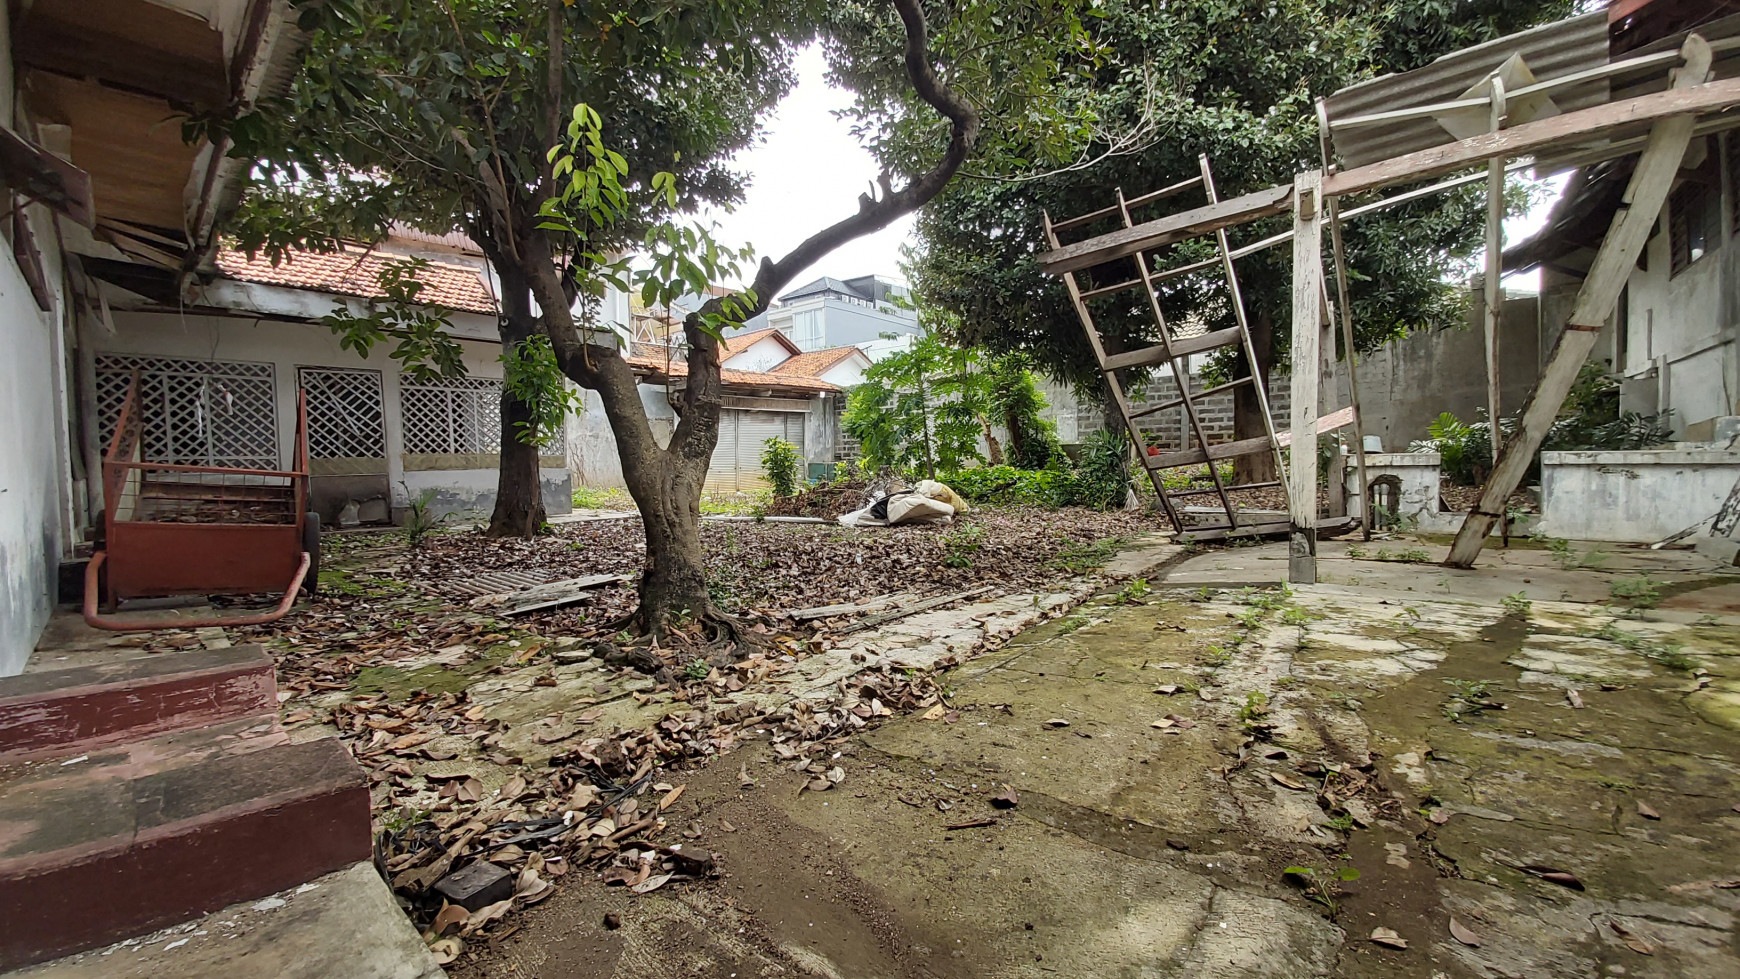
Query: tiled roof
{"x":355,"y":272}
{"x":743,"y":341}
{"x":751,"y":379}
{"x":816,"y":362}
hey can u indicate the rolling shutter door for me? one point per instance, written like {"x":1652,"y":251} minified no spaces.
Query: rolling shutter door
{"x":736,"y":465}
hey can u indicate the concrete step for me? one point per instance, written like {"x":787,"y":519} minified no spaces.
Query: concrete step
{"x":119,"y":841}
{"x":55,"y":713}
{"x":344,"y":925}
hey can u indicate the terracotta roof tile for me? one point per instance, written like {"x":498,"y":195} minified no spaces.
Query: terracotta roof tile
{"x":355,"y":272}
{"x":816,"y":362}
{"x":754,"y":379}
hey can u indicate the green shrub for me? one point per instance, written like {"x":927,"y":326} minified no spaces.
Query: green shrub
{"x":960,"y":543}
{"x":1102,"y":479}
{"x":783,"y":465}
{"x":1007,"y":484}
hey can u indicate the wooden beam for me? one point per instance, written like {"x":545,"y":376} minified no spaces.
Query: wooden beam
{"x":1307,"y":200}
{"x":1533,"y":137}
{"x":1626,"y":236}
{"x":1167,"y":230}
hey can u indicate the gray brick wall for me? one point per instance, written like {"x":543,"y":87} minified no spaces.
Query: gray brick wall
{"x":1170,"y":429}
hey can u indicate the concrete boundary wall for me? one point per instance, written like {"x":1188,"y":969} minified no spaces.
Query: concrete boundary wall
{"x":1635,"y":497}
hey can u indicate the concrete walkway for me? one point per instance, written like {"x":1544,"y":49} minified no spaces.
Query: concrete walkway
{"x":1529,"y":769}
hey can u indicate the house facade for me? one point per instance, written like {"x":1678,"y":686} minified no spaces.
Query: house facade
{"x":220,"y":380}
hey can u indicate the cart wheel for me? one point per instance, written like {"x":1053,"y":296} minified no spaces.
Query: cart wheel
{"x":311,"y":544}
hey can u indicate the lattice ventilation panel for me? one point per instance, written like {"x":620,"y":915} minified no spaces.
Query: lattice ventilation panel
{"x":344,"y":413}
{"x":451,"y":415}
{"x":195,"y":412}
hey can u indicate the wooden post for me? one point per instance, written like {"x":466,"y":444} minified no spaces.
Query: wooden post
{"x":1338,"y":255}
{"x":1494,"y":270}
{"x":1626,"y":236}
{"x":1307,"y":370}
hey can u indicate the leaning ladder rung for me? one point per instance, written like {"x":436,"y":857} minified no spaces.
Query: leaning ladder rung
{"x":1108,"y":290}
{"x":1229,"y":489}
{"x":1149,"y":356}
{"x":1164,"y":192}
{"x":1207,"y":392}
{"x":1243,"y":530}
{"x":1199,"y":455}
{"x":1148,"y":198}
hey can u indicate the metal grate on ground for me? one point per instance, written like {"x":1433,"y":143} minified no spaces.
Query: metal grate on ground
{"x":451,"y":415}
{"x":195,"y":412}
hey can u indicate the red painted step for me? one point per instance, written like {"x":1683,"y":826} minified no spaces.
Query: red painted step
{"x":64,"y":712}
{"x":96,"y":848}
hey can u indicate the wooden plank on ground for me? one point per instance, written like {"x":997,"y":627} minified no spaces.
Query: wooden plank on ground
{"x":553,"y":595}
{"x":847,"y":608}
{"x":913,"y":609}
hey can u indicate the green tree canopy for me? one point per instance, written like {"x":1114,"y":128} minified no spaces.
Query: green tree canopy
{"x":1237,"y":82}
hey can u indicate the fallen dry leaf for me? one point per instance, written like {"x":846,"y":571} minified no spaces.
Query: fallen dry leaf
{"x":450,"y":916}
{"x":1287,"y":783}
{"x":1646,"y":811}
{"x":1464,"y":934}
{"x":1163,"y":723}
{"x":1167,"y":688}
{"x":671,"y":797}
{"x":446,"y":950}
{"x":1386,"y":936}
{"x":1057,"y":722}
{"x":1632,"y":939}
{"x":1574,"y":698}
{"x":933,"y":713}
{"x":651,"y":884}
{"x":1705,"y":885}
{"x":1007,"y":799}
{"x":486,"y":914}
{"x":1563,"y":878}
{"x":1440,"y":816}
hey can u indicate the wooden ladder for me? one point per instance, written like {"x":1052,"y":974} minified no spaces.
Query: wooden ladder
{"x":1175,"y":352}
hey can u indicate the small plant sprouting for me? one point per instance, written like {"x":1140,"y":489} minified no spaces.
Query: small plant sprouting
{"x":1254,"y":709}
{"x":1133,"y":592}
{"x":1216,"y":657}
{"x":1322,"y":886}
{"x":1639,"y":593}
{"x":960,"y":544}
{"x":1517,"y":605}
{"x":697,"y":669}
{"x":1355,"y":551}
{"x":420,"y":520}
{"x":1294,"y":615}
{"x":1471,"y":697}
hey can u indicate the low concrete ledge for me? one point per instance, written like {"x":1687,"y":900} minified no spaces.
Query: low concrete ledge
{"x":1636,"y":497}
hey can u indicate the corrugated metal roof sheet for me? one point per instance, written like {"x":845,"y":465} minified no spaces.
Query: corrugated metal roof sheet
{"x":1551,"y":51}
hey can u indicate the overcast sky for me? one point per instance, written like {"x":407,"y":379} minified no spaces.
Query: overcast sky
{"x":806,"y":175}
{"x":809,"y":171}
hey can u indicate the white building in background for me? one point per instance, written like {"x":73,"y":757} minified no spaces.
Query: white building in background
{"x":828,"y":313}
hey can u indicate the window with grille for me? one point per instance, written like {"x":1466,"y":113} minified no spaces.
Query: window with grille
{"x":451,"y":415}
{"x":195,"y":412}
{"x":344,"y":413}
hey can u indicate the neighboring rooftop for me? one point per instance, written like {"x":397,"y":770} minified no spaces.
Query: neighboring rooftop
{"x":743,"y":341}
{"x":659,"y":370}
{"x":817,"y":362}
{"x":356,"y":272}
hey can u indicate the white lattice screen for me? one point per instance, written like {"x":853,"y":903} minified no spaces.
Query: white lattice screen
{"x":452,"y":415}
{"x":195,"y":412}
{"x":344,"y":413}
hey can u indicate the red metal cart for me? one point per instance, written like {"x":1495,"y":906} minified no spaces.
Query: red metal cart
{"x":199,"y":530}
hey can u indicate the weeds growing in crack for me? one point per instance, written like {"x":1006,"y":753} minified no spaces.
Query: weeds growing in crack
{"x":1322,"y":886}
{"x":1666,"y":653}
{"x":1471,"y":697}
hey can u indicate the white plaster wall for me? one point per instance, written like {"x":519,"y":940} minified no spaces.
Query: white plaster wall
{"x":1637,"y":497}
{"x":846,"y":374}
{"x":763,"y":355}
{"x":592,"y":451}
{"x":34,"y":451}
{"x":1679,"y":328}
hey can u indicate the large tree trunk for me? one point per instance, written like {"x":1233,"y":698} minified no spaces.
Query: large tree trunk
{"x":1258,"y":467}
{"x":519,"y":500}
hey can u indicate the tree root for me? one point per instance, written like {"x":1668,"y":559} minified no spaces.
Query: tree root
{"x":712,"y":637}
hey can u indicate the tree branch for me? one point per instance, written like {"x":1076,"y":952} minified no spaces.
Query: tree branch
{"x":873,"y":215}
